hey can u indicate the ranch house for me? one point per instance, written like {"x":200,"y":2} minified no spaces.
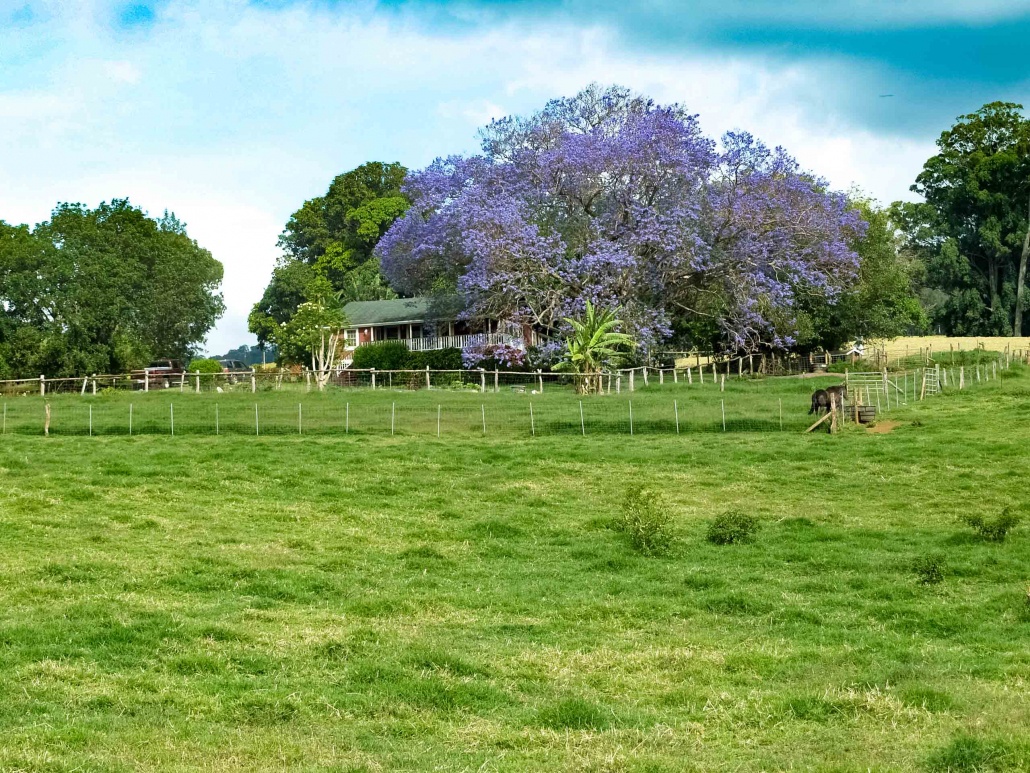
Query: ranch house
{"x":423,"y":324}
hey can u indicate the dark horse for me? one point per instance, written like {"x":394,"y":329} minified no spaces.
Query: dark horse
{"x":821,"y":398}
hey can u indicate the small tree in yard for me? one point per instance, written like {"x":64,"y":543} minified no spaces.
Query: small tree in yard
{"x":592,"y":343}
{"x":315,"y":329}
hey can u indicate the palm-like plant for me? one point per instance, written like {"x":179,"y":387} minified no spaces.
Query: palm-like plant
{"x":593,"y":343}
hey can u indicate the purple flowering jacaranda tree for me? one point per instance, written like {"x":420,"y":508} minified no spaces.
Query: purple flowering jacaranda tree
{"x":611,"y":198}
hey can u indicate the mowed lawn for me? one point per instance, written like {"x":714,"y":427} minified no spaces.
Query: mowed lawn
{"x":407,"y":603}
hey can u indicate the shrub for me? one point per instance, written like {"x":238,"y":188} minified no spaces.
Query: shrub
{"x":204,"y":365}
{"x":382,"y":355}
{"x":930,"y":568}
{"x":992,"y":529}
{"x":646,"y":519}
{"x":732,"y":528}
{"x":439,"y":359}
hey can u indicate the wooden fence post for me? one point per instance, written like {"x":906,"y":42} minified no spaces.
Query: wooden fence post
{"x":42,"y":385}
{"x":253,"y":382}
{"x":94,"y":383}
{"x":540,"y":375}
{"x":427,"y":378}
{"x":197,"y":372}
{"x":690,"y":377}
{"x":373,"y":377}
{"x":632,"y":387}
{"x":497,"y":383}
{"x":482,"y":380}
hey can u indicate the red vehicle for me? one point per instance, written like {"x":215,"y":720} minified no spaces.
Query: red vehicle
{"x":160,"y":374}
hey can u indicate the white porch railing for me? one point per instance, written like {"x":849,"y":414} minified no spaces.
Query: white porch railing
{"x":431,"y":343}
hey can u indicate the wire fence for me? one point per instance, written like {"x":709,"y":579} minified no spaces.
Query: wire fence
{"x":709,"y":370}
{"x":475,"y":404}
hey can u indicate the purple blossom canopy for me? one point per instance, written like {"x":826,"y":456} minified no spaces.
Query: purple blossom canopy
{"x":611,"y":198}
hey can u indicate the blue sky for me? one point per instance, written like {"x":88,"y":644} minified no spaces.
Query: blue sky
{"x":232,"y":112}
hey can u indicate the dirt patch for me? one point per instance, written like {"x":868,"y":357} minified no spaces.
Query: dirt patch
{"x":883,"y":427}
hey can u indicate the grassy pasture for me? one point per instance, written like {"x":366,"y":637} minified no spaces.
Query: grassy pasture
{"x":769,"y":405}
{"x":388,"y":603}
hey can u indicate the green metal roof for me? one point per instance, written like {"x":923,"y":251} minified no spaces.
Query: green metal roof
{"x":360,"y":313}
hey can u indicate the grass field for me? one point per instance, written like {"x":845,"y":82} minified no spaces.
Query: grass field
{"x":771,"y":405}
{"x":407,"y":603}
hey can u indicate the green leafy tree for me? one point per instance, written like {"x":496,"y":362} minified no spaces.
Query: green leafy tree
{"x":338,"y":231}
{"x":333,"y":236}
{"x":973,"y":230}
{"x":102,"y":290}
{"x":593,"y":342}
{"x":883,"y":301}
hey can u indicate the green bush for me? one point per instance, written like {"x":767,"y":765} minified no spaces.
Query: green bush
{"x":204,"y":365}
{"x":992,"y":529}
{"x":930,"y":568}
{"x":646,"y":519}
{"x":732,"y":528}
{"x":382,"y":355}
{"x":439,"y":359}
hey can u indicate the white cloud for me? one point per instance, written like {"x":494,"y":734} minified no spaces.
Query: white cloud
{"x":123,"y":72}
{"x":232,"y":115}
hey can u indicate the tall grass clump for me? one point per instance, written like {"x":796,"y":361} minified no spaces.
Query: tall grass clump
{"x":930,"y":569}
{"x":968,"y":754}
{"x":646,"y":520}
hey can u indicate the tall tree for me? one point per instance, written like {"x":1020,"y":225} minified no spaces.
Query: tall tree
{"x":334,"y":236}
{"x":337,"y":232}
{"x":103,"y":290}
{"x":609,"y":197}
{"x":973,"y":226}
{"x":881,"y":302}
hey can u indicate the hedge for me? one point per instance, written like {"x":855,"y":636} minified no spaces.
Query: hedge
{"x":394,"y":355}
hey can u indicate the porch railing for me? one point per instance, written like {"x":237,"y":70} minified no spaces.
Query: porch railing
{"x":431,"y":343}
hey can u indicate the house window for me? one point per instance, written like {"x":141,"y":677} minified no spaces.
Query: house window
{"x":350,"y":338}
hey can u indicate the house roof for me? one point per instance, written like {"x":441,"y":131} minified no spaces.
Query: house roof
{"x":400,"y":310}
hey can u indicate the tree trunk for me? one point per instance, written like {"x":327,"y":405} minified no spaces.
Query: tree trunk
{"x":992,"y":284}
{"x":1017,"y":329}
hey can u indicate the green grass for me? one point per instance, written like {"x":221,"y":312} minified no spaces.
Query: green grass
{"x":745,"y":405}
{"x":388,"y":603}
